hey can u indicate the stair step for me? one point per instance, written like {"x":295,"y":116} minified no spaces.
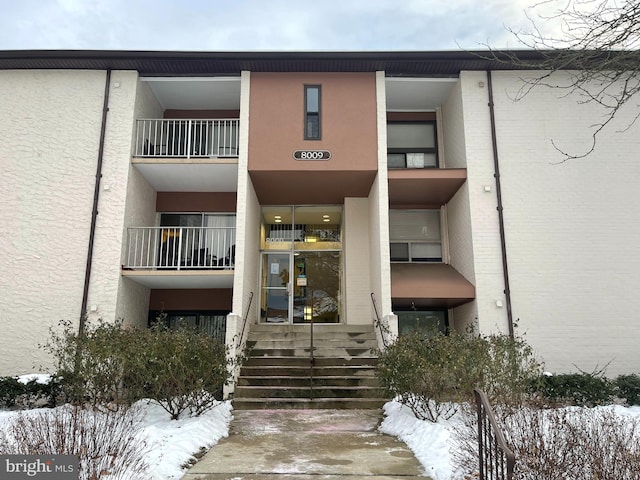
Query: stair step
{"x":306,"y":403}
{"x":304,"y":361}
{"x":278,"y":372}
{"x":291,"y":336}
{"x":304,"y":381}
{"x":306,"y":392}
{"x":317,"y":328}
{"x":317,"y":343}
{"x":302,"y":371}
{"x":317,"y":352}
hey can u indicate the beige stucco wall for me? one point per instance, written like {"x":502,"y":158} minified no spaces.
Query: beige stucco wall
{"x":49,"y":134}
{"x":483,"y":229}
{"x":458,"y":213}
{"x":139,"y":211}
{"x":570,"y":227}
{"x":108,"y":248}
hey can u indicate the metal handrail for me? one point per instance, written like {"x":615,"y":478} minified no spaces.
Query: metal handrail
{"x":497,"y":461}
{"x":244,"y":321}
{"x":312,"y":360}
{"x":378,"y":321}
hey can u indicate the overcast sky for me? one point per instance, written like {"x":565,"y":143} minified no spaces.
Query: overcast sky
{"x":240,"y":25}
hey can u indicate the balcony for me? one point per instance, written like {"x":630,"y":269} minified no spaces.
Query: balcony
{"x":180,"y":257}
{"x":198,"y":138}
{"x":188,"y":155}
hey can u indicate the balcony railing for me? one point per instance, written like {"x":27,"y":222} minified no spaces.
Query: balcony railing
{"x":180,"y":248}
{"x":186,"y":138}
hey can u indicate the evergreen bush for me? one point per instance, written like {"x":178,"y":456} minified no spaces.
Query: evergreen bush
{"x":16,"y":394}
{"x":629,"y":388}
{"x":110,"y":364}
{"x":580,"y":389}
{"x":432,"y":373}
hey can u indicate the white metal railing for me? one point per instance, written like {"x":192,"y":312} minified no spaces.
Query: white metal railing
{"x":186,"y":138}
{"x":180,"y":248}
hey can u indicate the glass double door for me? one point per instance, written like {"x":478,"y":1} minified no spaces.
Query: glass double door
{"x":300,"y":287}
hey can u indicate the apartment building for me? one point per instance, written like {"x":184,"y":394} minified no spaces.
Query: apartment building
{"x":234,"y":190}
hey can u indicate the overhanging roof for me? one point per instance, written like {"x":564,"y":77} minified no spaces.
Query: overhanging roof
{"x":429,"y":285}
{"x":435,"y":63}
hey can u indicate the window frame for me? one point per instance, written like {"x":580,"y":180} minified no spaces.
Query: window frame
{"x":411,"y":258}
{"x":309,"y":114}
{"x":446,"y":327}
{"x":162,"y":317}
{"x":404,"y":150}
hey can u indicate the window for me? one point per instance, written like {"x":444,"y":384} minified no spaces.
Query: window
{"x":301,"y":227}
{"x":197,"y":240}
{"x":411,"y":145}
{"x":213,"y":323}
{"x":312,"y":112}
{"x":422,"y":321}
{"x":415,"y":236}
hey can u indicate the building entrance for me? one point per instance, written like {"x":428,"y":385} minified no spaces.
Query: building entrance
{"x":301,"y":265}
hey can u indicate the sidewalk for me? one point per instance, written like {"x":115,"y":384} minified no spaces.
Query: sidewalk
{"x":307,"y":444}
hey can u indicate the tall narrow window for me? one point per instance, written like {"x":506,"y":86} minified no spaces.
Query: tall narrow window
{"x":312,"y":112}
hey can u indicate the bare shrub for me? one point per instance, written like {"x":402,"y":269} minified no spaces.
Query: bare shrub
{"x":107,"y":442}
{"x":559,"y":444}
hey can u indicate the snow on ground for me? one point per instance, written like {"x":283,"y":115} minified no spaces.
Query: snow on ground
{"x":428,"y":441}
{"x":431,"y":442}
{"x":172,"y":443}
{"x":169,"y":444}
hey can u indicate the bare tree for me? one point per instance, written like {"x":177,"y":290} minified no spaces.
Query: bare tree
{"x":596,"y":45}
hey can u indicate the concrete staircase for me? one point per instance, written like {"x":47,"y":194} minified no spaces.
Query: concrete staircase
{"x":278,"y":373}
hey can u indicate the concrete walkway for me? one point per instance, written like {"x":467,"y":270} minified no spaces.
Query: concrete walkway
{"x":304,"y":445}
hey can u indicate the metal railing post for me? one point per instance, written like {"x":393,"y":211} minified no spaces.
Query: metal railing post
{"x":188,"y":139}
{"x":179,"y":262}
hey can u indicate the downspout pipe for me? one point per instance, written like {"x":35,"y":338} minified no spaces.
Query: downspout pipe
{"x":94,"y":213}
{"x":500,"y":208}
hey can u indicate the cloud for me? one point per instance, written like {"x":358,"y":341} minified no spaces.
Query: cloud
{"x":260,"y":24}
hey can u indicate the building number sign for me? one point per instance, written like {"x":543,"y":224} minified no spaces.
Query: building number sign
{"x":312,"y":155}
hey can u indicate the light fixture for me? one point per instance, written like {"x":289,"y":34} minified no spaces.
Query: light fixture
{"x":325,"y":220}
{"x":325,"y":216}
{"x":277,"y":217}
{"x":277,"y":220}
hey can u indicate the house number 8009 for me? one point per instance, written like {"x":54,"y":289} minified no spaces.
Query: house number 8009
{"x":312,"y":155}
